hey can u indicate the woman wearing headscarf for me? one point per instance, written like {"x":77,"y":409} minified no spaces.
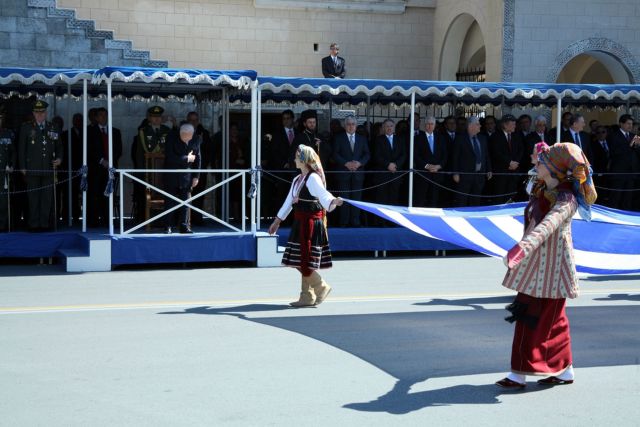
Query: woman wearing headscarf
{"x":308,"y":246}
{"x":542,"y":267}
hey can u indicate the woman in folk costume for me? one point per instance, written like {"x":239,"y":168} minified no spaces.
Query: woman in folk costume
{"x":308,"y":245}
{"x":542,"y":268}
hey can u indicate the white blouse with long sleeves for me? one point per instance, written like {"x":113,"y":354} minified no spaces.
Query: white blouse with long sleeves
{"x":316,"y":188}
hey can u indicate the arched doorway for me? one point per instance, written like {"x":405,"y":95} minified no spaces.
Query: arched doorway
{"x":595,"y":67}
{"x":463,"y":54}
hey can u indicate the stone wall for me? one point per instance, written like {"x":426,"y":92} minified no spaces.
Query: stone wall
{"x":34,"y":33}
{"x":235,"y":34}
{"x":549,"y":33}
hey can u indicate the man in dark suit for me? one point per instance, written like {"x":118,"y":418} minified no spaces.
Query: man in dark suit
{"x":350,"y":155}
{"x":471,"y":159}
{"x":506,"y":150}
{"x":430,"y":158}
{"x":333,"y":66}
{"x":388,"y":155}
{"x":98,"y":164}
{"x":206,"y":161}
{"x":576,"y":135}
{"x":278,"y":153}
{"x":182,"y":151}
{"x":600,"y":163}
{"x":624,"y":149}
{"x":539,"y":134}
{"x":565,"y":120}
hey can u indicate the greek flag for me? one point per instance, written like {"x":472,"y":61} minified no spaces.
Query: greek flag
{"x":608,"y":244}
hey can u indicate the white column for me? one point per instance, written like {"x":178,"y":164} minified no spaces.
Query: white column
{"x":411,"y":138}
{"x":559,"y":119}
{"x":69,"y":166}
{"x":258,"y":175}
{"x":254,"y":148}
{"x":84,"y":151}
{"x":110,"y":135}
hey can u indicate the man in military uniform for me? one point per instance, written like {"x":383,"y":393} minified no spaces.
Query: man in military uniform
{"x":40,"y":152}
{"x":151,"y":139}
{"x":7,"y":161}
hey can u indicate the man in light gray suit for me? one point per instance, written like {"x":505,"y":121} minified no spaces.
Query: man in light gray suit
{"x":350,"y":154}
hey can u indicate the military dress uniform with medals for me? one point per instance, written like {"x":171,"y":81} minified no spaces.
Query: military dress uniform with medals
{"x":150,"y":139}
{"x":7,"y":162}
{"x":40,"y":144}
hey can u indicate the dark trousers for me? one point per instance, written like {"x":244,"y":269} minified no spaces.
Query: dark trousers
{"x":196,"y":217}
{"x":501,"y":188}
{"x":4,"y":202}
{"x":40,"y":193}
{"x":426,"y":192}
{"x":388,"y":192}
{"x":350,"y":186}
{"x":178,"y":217}
{"x":97,"y":203}
{"x":471,"y":186}
{"x":621,"y":199}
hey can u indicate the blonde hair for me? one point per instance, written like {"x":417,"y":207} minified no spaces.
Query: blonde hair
{"x":309,"y":157}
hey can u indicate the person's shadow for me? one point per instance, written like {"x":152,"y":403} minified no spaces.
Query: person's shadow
{"x":620,"y":297}
{"x":475,"y":303}
{"x":237,"y":311}
{"x":399,"y":401}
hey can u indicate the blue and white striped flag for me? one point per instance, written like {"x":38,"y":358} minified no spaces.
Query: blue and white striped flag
{"x":609,"y":244}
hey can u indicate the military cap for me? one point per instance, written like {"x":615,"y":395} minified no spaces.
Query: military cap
{"x":40,"y":106}
{"x":156,"y":110}
{"x":308,"y":114}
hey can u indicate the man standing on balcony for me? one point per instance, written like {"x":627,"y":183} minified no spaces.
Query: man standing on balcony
{"x":333,"y":66}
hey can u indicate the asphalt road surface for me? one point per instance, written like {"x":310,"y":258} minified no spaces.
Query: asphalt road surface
{"x":399,"y":342}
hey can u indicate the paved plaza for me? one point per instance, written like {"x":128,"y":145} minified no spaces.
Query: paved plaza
{"x":399,"y":342}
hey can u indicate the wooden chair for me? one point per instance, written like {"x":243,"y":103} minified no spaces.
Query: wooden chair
{"x":154,"y":201}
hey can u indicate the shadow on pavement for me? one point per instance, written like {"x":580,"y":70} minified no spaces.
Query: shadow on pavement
{"x":475,"y":303}
{"x":237,"y":311}
{"x":413,"y":347}
{"x":620,"y":297}
{"x":399,"y":401}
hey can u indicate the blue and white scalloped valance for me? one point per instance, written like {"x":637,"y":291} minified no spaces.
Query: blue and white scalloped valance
{"x":241,"y":79}
{"x":281,"y":87}
{"x":48,"y":76}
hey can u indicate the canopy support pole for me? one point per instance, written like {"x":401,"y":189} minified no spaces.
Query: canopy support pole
{"x":259,"y":172}
{"x":110,"y":136}
{"x":411,"y":138}
{"x":559,"y":119}
{"x":225,"y":153}
{"x":84,"y":151}
{"x":254,"y":151}
{"x":69,"y":166}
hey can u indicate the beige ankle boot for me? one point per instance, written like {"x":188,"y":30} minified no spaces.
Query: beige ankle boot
{"x":320,"y":287}
{"x":307,"y":296}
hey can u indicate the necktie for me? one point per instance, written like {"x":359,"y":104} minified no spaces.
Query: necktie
{"x":627,"y":136}
{"x":430,"y":139}
{"x":352,"y":142}
{"x":390,"y":138}
{"x":476,"y":148}
{"x":509,"y":141}
{"x":576,"y":139}
{"x":605,"y":147}
{"x":290,"y":136}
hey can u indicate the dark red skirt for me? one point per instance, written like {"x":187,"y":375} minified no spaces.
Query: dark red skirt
{"x":308,"y":247}
{"x":541,"y":343}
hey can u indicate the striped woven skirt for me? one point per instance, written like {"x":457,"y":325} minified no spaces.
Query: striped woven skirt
{"x":308,"y":245}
